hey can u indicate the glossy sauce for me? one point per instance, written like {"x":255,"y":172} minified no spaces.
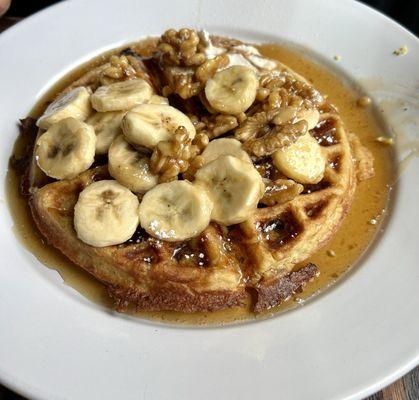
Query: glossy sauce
{"x":365,"y":217}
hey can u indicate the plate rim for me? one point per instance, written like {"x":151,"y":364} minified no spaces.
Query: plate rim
{"x":367,"y":391}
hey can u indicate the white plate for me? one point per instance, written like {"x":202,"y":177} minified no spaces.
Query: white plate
{"x":348,"y":343}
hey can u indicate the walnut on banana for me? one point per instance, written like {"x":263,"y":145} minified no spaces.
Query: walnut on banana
{"x":172,"y":157}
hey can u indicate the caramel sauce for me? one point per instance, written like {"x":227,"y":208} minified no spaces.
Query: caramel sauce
{"x":340,"y":255}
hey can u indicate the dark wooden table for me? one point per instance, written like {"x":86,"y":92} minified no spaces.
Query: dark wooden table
{"x":406,"y":388}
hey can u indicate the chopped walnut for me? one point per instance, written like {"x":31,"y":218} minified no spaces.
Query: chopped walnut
{"x":311,"y":97}
{"x":172,"y":157}
{"x":208,"y":69}
{"x":284,"y":90}
{"x":201,"y":141}
{"x":184,"y":85}
{"x":185,"y":66}
{"x":195,"y":164}
{"x":278,"y":137}
{"x":180,"y":48}
{"x":280,"y":191}
{"x":214,"y":125}
{"x":119,"y":69}
{"x":265,"y":168}
{"x":197,"y":122}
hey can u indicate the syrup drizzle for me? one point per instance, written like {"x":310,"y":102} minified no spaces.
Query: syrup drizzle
{"x":346,"y":246}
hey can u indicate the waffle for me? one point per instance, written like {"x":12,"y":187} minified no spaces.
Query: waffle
{"x":219,"y":268}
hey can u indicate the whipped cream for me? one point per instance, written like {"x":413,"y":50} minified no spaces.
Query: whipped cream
{"x":242,"y":54}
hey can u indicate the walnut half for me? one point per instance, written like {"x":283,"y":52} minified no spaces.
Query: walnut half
{"x":278,"y":137}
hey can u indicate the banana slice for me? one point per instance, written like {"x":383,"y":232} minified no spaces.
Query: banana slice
{"x":156,"y":99}
{"x":232,"y":90}
{"x":302,"y":161}
{"x":222,"y":147}
{"x":129,"y":167}
{"x":66,"y":149}
{"x":105,"y":214}
{"x":148,"y":124}
{"x":121,"y":96}
{"x":234,"y":186}
{"x":107,"y":127}
{"x":288,"y":114}
{"x":75,"y":103}
{"x":175,"y":211}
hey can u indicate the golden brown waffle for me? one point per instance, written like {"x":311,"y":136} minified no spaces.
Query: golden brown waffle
{"x":216,"y":269}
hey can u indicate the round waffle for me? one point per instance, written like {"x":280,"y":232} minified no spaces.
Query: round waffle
{"x":222,"y":265}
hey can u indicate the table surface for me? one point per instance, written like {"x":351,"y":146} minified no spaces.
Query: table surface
{"x":406,"y":388}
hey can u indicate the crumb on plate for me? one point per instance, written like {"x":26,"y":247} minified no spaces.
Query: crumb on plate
{"x":401,"y":51}
{"x":385,"y":140}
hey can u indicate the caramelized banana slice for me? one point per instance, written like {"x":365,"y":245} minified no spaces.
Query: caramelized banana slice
{"x":222,"y":147}
{"x":66,"y":149}
{"x":106,"y":214}
{"x":149,"y":124}
{"x":175,"y":211}
{"x":75,"y":103}
{"x":232,"y":90}
{"x":302,"y":161}
{"x":121,"y":96}
{"x":234,"y":186}
{"x":107,"y":127}
{"x":129,"y":167}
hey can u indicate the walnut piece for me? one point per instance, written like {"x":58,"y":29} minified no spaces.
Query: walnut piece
{"x":184,"y":85}
{"x":278,"y":137}
{"x":184,"y":63}
{"x":173,"y":157}
{"x":180,"y":48}
{"x":119,"y":69}
{"x":214,"y":125}
{"x":284,"y":90}
{"x":253,"y":125}
{"x":280,"y":191}
{"x":195,"y":164}
{"x":208,"y":69}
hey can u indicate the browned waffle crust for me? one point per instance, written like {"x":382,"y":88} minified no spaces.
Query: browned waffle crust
{"x":216,"y":269}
